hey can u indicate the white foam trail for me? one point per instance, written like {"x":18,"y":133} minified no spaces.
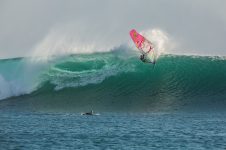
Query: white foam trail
{"x":68,"y":79}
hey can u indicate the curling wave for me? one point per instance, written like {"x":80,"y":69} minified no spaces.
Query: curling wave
{"x":116,"y":80}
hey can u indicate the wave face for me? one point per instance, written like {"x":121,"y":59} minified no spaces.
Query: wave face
{"x":115,"y":80}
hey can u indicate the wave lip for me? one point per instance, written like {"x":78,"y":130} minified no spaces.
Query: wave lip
{"x":13,"y":88}
{"x":19,"y":76}
{"x":5,"y":88}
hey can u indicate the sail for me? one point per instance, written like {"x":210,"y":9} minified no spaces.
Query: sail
{"x":145,"y":46}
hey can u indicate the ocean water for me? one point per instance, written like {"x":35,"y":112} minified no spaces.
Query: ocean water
{"x":179,"y":103}
{"x":113,"y":131}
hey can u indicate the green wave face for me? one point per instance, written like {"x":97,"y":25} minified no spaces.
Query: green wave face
{"x":118,"y":80}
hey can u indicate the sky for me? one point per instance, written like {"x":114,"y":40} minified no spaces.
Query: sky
{"x":57,"y":26}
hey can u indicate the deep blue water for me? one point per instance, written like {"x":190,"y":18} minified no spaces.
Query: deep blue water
{"x":112,"y":131}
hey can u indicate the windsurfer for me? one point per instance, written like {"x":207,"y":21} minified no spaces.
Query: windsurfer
{"x":142,"y":58}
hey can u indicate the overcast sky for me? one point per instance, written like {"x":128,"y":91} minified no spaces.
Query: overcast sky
{"x":199,"y":26}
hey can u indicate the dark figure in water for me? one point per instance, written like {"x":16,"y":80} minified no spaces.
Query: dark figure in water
{"x":89,"y":113}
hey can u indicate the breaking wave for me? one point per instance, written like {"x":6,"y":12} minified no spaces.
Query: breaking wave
{"x":116,"y":78}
